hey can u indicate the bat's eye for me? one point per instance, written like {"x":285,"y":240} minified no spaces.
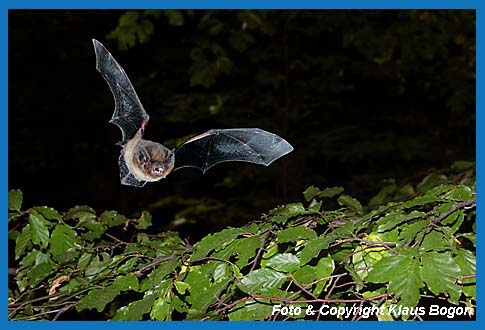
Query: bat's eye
{"x":141,"y":158}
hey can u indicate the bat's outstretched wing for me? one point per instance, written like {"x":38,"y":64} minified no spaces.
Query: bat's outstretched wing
{"x":129,"y":114}
{"x":251,"y":145}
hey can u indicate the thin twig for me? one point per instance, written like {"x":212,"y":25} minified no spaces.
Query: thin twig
{"x":154,"y":263}
{"x":260,"y":250}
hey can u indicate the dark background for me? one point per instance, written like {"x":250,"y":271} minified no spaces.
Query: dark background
{"x":362,"y":96}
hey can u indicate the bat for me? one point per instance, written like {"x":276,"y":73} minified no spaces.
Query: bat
{"x":143,"y":161}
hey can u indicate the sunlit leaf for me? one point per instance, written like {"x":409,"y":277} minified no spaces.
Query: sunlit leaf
{"x":261,"y":280}
{"x":401,"y":272}
{"x":284,"y":262}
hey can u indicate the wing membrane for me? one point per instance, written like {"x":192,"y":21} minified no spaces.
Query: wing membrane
{"x":129,"y":114}
{"x":251,"y":145}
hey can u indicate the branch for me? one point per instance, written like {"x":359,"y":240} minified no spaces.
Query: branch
{"x":470,"y":203}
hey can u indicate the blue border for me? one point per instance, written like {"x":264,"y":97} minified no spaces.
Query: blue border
{"x":226,"y":4}
{"x":242,"y":4}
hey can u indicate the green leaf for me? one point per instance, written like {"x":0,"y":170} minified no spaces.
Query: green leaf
{"x":460,"y":193}
{"x":294,"y":234}
{"x":283,"y":213}
{"x":331,"y":192}
{"x":308,"y":274}
{"x":439,"y":272}
{"x":402,"y":274}
{"x":145,"y":221}
{"x":462,"y":165}
{"x":135,"y":310}
{"x":182,"y":286}
{"x":179,"y":305}
{"x":410,"y":231}
{"x":84,"y":260}
{"x":22,"y":241}
{"x":128,"y":266}
{"x":350,"y":202}
{"x":344,"y":230}
{"x":63,"y":243}
{"x":29,"y":259}
{"x":261,"y":280}
{"x":94,"y":228}
{"x":310,"y":193}
{"x":98,"y":298}
{"x":289,"y":210}
{"x":82,"y":213}
{"x":315,"y":206}
{"x":112,"y":218}
{"x":284,"y":262}
{"x":391,"y":220}
{"x":15,"y":197}
{"x":38,"y":229}
{"x":435,"y":240}
{"x":215,"y":242}
{"x":305,"y":274}
{"x":323,"y":269}
{"x":364,"y":257}
{"x":162,"y":309}
{"x":97,"y":265}
{"x":430,"y":181}
{"x":48,"y":212}
{"x":459,"y":220}
{"x":246,"y":249}
{"x":421,"y":200}
{"x":312,"y":248}
{"x":251,"y":310}
{"x":159,"y":274}
{"x":202,"y":292}
{"x":384,"y":194}
{"x":466,"y":260}
{"x":40,"y":271}
{"x":126,"y":282}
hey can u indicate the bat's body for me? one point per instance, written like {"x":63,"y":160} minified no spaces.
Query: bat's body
{"x":144,"y":161}
{"x":147,"y":160}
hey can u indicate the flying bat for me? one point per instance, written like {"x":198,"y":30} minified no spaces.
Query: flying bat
{"x":143,"y":161}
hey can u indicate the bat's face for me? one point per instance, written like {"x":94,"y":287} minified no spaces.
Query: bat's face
{"x":147,"y":160}
{"x":156,"y":168}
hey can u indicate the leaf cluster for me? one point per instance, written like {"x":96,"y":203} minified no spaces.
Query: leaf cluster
{"x":414,"y":243}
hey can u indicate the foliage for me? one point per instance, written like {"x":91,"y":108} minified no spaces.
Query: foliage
{"x":413,"y":244}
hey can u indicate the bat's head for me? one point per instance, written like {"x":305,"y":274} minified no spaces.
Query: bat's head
{"x":154,"y":160}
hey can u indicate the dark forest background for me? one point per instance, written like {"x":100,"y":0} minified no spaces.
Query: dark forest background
{"x":363,"y":96}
